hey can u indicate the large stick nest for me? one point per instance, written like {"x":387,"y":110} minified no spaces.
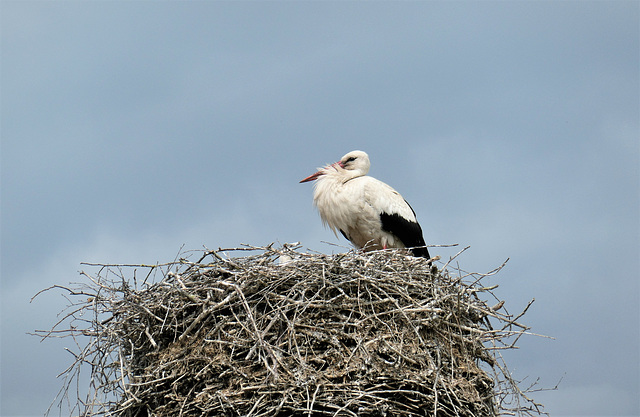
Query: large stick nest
{"x":285,"y":333}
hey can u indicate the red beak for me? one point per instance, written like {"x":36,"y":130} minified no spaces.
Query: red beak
{"x":312,"y":176}
{"x":317,"y":174}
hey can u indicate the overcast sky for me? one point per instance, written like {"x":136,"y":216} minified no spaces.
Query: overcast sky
{"x":130,"y":129}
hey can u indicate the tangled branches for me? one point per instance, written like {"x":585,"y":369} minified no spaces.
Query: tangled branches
{"x":285,"y":333}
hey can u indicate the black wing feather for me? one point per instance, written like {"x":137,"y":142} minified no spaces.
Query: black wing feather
{"x":409,"y":232}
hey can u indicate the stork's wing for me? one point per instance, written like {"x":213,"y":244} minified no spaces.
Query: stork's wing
{"x":396,"y":215}
{"x":409,"y":232}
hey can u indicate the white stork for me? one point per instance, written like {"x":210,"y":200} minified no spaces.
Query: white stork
{"x":368,"y":212}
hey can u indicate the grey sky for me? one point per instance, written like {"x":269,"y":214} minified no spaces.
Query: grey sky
{"x":130,"y":129}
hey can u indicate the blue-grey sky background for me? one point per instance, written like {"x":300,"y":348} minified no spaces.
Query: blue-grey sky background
{"x":130,"y":129}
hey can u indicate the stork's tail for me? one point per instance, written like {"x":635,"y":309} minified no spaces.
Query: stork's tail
{"x":421,"y":252}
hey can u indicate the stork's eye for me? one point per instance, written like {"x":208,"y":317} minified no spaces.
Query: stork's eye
{"x":350,"y":159}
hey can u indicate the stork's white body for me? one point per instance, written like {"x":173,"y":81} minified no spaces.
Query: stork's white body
{"x":368,"y":212}
{"x":354,"y":207}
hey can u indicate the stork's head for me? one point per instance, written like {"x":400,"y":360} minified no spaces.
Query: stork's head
{"x":352,"y":165}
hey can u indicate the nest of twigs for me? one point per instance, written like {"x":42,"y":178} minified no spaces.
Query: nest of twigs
{"x":285,"y":333}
